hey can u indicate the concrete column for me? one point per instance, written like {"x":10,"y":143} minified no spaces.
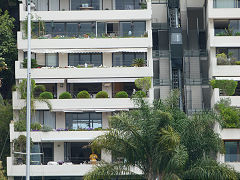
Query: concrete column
{"x":63,"y":60}
{"x":107,"y":59}
{"x":59,"y":151}
{"x":106,"y":156}
{"x":61,"y":88}
{"x":60,"y":120}
{"x":105,"y":118}
{"x":108,"y":88}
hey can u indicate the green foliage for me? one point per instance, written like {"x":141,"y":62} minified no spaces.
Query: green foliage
{"x":6,"y":116}
{"x":162,"y":141}
{"x":121,"y":94}
{"x":65,"y":95}
{"x":139,"y":94}
{"x":237,"y":62}
{"x":36,"y":126}
{"x":102,"y":94}
{"x":46,"y":128}
{"x":139,"y":62}
{"x":144,"y":83}
{"x":46,"y":95}
{"x":22,"y":88}
{"x":20,"y":126}
{"x":8,"y":53}
{"x":227,"y":86}
{"x":83,"y":94}
{"x":230,"y":115}
{"x":237,"y":33}
{"x":20,"y":143}
{"x":39,"y":89}
{"x":33,"y":63}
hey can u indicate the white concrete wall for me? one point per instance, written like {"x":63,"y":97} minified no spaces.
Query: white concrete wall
{"x":105,"y":119}
{"x":58,"y":151}
{"x":60,"y":120}
{"x":61,"y":88}
{"x":63,"y":60}
{"x":159,"y":13}
{"x":107,"y":59}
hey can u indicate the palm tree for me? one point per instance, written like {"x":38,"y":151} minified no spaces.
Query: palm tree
{"x":157,"y":139}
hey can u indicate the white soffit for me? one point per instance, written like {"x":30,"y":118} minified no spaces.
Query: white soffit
{"x":228,"y":78}
{"x":101,"y":80}
{"x":49,"y":81}
{"x":88,"y":50}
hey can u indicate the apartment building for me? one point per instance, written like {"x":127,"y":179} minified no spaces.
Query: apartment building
{"x":91,"y":45}
{"x":79,"y":45}
{"x":223,"y":28}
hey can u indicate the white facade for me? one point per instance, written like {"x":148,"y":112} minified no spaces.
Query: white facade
{"x":109,"y":76}
{"x":217,"y":14}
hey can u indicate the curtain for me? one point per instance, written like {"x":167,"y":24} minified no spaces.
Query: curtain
{"x":50,"y":119}
{"x":52,"y":60}
{"x":42,"y":5}
{"x":54,"y":5}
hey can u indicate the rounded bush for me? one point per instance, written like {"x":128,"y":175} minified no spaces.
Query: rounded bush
{"x":46,"y":95}
{"x":65,"y":95}
{"x":102,"y":94}
{"x":83,"y":94}
{"x":139,"y":94}
{"x":121,"y":94}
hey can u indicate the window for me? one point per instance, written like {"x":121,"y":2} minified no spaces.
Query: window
{"x":83,"y":120}
{"x":232,"y":151}
{"x":127,"y":4}
{"x":233,"y":53}
{"x":126,"y":59}
{"x":58,"y":29}
{"x":80,"y":59}
{"x":46,"y":5}
{"x":46,"y":118}
{"x":47,"y":153}
{"x":33,"y":55}
{"x":72,"y":29}
{"x":79,"y":4}
{"x":136,"y":28}
{"x":52,"y":60}
{"x":88,"y":28}
{"x":225,"y":4}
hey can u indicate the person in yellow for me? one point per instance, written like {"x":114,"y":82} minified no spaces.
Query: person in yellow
{"x":93,"y":158}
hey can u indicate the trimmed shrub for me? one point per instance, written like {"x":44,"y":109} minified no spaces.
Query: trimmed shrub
{"x":102,"y":94}
{"x":46,"y":95}
{"x":20,"y":126}
{"x":139,"y":94}
{"x":227,"y":86}
{"x":36,"y":126}
{"x":121,"y":94}
{"x":46,"y":128}
{"x":39,"y":89}
{"x":237,"y":62}
{"x":83,"y":94}
{"x":65,"y":95}
{"x":33,"y":63}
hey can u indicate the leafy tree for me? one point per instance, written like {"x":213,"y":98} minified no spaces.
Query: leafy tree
{"x":6,"y":115}
{"x":163,"y":142}
{"x":8,"y":52}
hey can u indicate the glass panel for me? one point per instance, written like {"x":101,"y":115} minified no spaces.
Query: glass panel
{"x":124,"y":4}
{"x":83,"y":121}
{"x":37,"y":117}
{"x":42,"y":5}
{"x":47,"y":150}
{"x":87,"y":28}
{"x":75,"y":4}
{"x":96,"y":59}
{"x":52,"y":60}
{"x":73,"y":59}
{"x":126,"y":29}
{"x":58,"y":29}
{"x":96,"y":120}
{"x":69,"y":120}
{"x":101,"y":29}
{"x":96,"y":4}
{"x":72,"y":29}
{"x":231,"y":151}
{"x":139,"y":28}
{"x":117,"y":59}
{"x":85,"y":58}
{"x":48,"y":28}
{"x":50,"y":119}
{"x":53,"y":5}
{"x":224,"y":3}
{"x":35,"y":158}
{"x":128,"y":59}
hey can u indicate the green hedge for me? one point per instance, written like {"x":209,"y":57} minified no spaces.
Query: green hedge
{"x":102,"y":94}
{"x":65,"y":95}
{"x":83,"y":94}
{"x":46,"y":95}
{"x":139,"y":94}
{"x":227,"y":86}
{"x":121,"y":94}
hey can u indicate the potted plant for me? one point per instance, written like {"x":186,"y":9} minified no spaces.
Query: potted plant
{"x":139,"y":62}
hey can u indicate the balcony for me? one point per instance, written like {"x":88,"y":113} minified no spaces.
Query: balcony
{"x":86,"y":43}
{"x":48,"y":170}
{"x":71,"y":105}
{"x":230,"y":8}
{"x":235,"y":100}
{"x":81,"y":73}
{"x":91,"y":13}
